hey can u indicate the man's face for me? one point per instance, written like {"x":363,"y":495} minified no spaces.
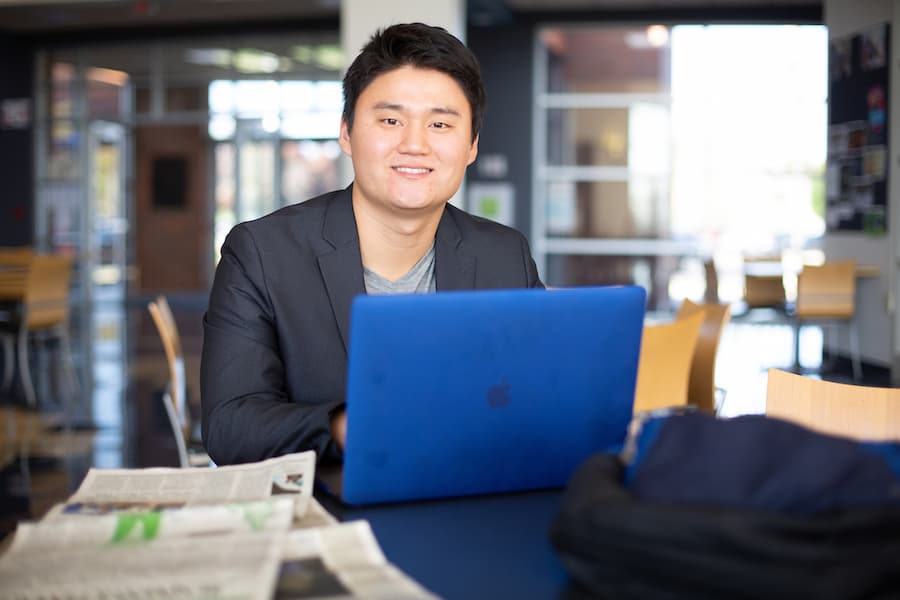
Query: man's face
{"x":411,"y":141}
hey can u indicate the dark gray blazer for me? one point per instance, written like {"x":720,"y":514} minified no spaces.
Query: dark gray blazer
{"x":275,"y":335}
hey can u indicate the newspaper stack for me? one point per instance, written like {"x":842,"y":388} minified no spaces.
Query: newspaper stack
{"x":249,"y":531}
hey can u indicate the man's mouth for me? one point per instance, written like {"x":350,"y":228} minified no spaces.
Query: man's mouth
{"x":413,"y":170}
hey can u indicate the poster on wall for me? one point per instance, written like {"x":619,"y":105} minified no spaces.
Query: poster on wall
{"x":856,"y":172}
{"x":494,"y":201}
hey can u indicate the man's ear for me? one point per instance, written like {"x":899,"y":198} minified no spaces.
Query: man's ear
{"x":473,"y":151}
{"x":344,"y":138}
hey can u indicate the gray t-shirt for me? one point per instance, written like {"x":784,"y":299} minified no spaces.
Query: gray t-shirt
{"x":419,"y":279}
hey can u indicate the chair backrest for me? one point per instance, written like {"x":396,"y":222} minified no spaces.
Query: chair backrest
{"x":763,"y":290}
{"x":14,"y":267}
{"x":176,"y":398}
{"x":827,"y":291}
{"x":712,"y":281}
{"x":15,"y":252}
{"x":702,"y":385}
{"x":664,"y":367}
{"x":47,"y":290}
{"x":860,"y":412}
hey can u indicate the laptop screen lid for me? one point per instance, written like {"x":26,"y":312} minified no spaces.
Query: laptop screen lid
{"x":460,"y":393}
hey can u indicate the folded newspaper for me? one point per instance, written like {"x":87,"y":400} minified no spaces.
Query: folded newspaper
{"x":244,"y":531}
{"x":106,"y":491}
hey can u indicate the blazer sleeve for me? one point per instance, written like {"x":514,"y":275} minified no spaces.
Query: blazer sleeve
{"x":246,"y":412}
{"x":532,"y":279}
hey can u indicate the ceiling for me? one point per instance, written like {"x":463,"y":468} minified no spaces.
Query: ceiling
{"x":54,"y":16}
{"x":45,"y":16}
{"x":544,"y":5}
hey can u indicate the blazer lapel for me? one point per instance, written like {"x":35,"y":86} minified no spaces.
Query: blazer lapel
{"x":454,"y":269}
{"x":340,"y":264}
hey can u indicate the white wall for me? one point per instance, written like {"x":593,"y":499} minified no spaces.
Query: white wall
{"x":360,"y":18}
{"x":878,"y":325}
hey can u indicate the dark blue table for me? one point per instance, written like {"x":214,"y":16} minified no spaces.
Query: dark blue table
{"x":481,"y":547}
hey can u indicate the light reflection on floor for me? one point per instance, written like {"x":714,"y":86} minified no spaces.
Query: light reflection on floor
{"x":748,"y":350}
{"x":110,"y":366}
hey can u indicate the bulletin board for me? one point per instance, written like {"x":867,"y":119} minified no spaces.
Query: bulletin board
{"x":857,"y":167}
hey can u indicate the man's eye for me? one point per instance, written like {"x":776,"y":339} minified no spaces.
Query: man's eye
{"x":440,"y":125}
{"x":390,"y":121}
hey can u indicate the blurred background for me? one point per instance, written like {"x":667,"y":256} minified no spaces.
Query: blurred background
{"x":665,"y":143}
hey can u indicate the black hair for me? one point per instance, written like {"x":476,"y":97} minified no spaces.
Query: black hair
{"x":421,"y":46}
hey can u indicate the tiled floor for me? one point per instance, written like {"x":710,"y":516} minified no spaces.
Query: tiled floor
{"x":131,"y":428}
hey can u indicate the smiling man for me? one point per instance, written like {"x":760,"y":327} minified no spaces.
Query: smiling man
{"x":275,"y":336}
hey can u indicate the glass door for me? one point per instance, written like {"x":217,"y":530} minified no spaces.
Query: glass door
{"x":108,"y":253}
{"x":82,"y":113}
{"x":255,"y":167}
{"x":274,"y":143}
{"x":603,"y":158}
{"x":105,"y":268}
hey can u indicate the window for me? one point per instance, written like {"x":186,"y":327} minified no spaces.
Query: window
{"x":276,"y":145}
{"x":659,"y":145}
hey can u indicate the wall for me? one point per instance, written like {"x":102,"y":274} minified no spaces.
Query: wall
{"x":172,"y":245}
{"x":506,"y":56}
{"x":877,"y":296}
{"x":16,"y":146}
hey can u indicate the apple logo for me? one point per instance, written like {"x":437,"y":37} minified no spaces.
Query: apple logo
{"x":498,"y":395}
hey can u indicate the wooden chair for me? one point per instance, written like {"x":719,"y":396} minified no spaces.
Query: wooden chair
{"x":664,"y":366}
{"x":175,"y":397}
{"x":14,"y":266}
{"x":42,"y":313}
{"x":855,"y":411}
{"x":764,"y":282}
{"x":702,"y":384}
{"x":826,"y":295}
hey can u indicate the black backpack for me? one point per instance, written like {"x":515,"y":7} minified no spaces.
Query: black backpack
{"x":617,"y":544}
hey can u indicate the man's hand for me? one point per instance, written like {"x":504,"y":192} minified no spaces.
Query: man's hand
{"x":339,"y":427}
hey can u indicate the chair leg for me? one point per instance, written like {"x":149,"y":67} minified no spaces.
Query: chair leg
{"x":24,"y":370}
{"x":9,"y":357}
{"x":831,"y":338}
{"x":72,"y":393}
{"x":46,"y":382}
{"x":854,"y":351}
{"x":180,"y":444}
{"x":719,"y":396}
{"x":796,"y":332}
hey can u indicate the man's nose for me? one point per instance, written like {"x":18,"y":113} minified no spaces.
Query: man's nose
{"x":415,"y":139}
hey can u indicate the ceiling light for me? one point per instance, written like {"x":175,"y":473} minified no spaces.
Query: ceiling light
{"x":658,"y":35}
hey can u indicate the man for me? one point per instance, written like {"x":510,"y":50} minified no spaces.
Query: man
{"x":275,"y":335}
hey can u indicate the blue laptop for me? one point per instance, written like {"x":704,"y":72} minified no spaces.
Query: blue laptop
{"x":463,"y":393}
